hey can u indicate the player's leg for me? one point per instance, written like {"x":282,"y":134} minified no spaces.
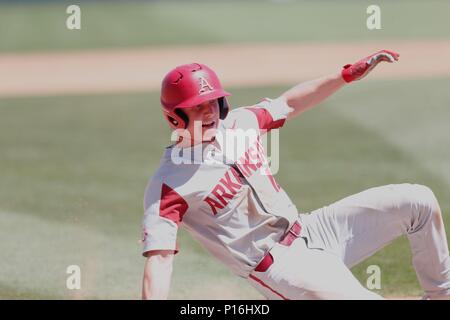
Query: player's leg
{"x":302,"y":273}
{"x":359,"y":225}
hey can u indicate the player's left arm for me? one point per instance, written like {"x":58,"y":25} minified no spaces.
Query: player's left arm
{"x":309,"y":94}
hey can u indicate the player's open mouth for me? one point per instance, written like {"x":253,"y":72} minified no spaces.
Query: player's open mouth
{"x":208,"y":125}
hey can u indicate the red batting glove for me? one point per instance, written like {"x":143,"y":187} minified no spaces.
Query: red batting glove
{"x":360,"y":69}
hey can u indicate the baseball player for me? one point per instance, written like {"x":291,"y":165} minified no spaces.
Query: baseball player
{"x":216,"y":181}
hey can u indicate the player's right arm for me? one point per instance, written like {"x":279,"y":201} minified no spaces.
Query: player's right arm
{"x":164,"y":210}
{"x":157,"y":275}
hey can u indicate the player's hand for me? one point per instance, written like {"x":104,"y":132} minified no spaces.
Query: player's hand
{"x":360,"y":69}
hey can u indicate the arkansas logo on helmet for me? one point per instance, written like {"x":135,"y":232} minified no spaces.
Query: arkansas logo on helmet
{"x":205,"y":87}
{"x":187,"y":86}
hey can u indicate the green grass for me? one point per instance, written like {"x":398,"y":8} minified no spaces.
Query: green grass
{"x":106,"y":24}
{"x":73,"y":170}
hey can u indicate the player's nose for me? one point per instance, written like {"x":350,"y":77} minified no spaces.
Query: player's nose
{"x":209,"y":109}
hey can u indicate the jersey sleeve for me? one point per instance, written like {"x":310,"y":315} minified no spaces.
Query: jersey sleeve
{"x":164,"y":210}
{"x":271,"y":113}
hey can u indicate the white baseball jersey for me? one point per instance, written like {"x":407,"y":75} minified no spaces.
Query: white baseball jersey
{"x":223,"y":194}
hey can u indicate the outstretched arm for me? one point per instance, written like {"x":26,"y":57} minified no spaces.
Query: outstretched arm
{"x":308,"y":94}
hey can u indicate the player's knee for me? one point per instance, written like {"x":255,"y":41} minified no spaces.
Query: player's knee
{"x":427,"y":199}
{"x":416,"y":199}
{"x":424,"y":205}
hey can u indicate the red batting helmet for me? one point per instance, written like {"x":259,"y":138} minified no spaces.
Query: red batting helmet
{"x":187,"y":86}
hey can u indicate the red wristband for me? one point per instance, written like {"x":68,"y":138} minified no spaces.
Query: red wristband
{"x":346,"y":74}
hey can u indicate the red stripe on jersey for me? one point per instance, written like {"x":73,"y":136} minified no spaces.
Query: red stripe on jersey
{"x":172,"y":205}
{"x":265,"y":120}
{"x":266,"y":286}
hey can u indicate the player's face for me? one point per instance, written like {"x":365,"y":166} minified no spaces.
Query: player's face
{"x":203,"y":121}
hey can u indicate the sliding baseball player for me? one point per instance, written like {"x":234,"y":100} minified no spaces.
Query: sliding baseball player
{"x":216,"y":181}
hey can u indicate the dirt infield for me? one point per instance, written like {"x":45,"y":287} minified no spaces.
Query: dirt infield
{"x":103,"y":71}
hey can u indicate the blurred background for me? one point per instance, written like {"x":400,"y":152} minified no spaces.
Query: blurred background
{"x":81,"y":130}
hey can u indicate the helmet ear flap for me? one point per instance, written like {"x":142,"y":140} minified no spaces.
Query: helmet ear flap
{"x":183,"y":117}
{"x":223,"y":107}
{"x":172,"y":121}
{"x":177,"y":119}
